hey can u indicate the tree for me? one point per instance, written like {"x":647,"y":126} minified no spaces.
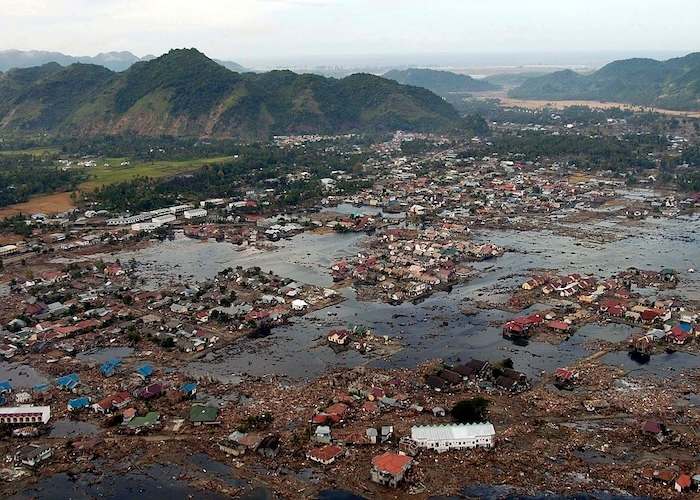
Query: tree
{"x":470,"y":411}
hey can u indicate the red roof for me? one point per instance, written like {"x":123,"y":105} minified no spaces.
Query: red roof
{"x":326,"y":453}
{"x":392,"y":463}
{"x":684,"y":481}
{"x":558,"y":325}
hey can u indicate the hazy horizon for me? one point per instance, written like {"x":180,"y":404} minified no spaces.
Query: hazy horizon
{"x":306,"y":33}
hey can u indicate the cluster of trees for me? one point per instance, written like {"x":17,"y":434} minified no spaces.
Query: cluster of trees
{"x":600,"y":152}
{"x":22,"y":176}
{"x":263,"y":166}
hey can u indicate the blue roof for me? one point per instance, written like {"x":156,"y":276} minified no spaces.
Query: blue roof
{"x":145,"y":370}
{"x":5,"y":386}
{"x":189,"y":387}
{"x":108,"y":367}
{"x":686,"y":327}
{"x":41,"y":387}
{"x":69,"y":381}
{"x":79,"y":403}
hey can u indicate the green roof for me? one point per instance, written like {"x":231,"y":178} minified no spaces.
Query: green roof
{"x":202,"y":413}
{"x":148,"y":420}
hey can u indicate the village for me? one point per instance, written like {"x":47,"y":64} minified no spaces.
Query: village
{"x":92,"y":342}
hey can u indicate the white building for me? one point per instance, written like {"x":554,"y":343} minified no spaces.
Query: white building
{"x":25,"y":415}
{"x":8,"y":250}
{"x":163,"y":219}
{"x":195,"y":214}
{"x":453,"y":436}
{"x":144,"y":226}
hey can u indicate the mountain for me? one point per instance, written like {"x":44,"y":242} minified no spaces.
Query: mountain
{"x":185,"y":93}
{"x":116,"y":61}
{"x":440,"y":82}
{"x":672,"y":84}
{"x":514,"y":79}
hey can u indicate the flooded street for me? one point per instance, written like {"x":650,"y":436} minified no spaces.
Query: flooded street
{"x":436,"y":327}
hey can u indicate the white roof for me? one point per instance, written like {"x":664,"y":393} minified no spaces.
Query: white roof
{"x":451,"y":432}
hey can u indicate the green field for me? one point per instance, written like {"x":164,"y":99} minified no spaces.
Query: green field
{"x":32,"y":151}
{"x":102,"y":175}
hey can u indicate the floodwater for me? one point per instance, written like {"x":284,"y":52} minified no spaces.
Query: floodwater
{"x":149,"y":481}
{"x":436,"y":327}
{"x":21,"y":376}
{"x":73,"y":428}
{"x":103,"y":355}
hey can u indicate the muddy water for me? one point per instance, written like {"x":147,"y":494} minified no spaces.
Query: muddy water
{"x":21,"y":376}
{"x":436,"y":328}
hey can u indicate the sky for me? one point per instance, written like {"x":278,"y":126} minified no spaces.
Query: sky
{"x":269,"y":32}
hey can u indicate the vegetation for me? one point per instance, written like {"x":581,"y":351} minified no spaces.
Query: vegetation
{"x":440,"y":82}
{"x":672,"y":84}
{"x":471,"y":411}
{"x":22,"y":176}
{"x":187,"y":94}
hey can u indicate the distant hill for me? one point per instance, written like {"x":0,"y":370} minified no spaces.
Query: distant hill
{"x":186,"y":93}
{"x":116,"y":61}
{"x":514,"y":79}
{"x":440,"y":82}
{"x":672,"y":84}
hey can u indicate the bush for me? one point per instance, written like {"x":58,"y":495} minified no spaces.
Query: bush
{"x":471,"y":411}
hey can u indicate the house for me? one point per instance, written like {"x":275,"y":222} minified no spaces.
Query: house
{"x":654,"y":428}
{"x":115,"y":401}
{"x":299,"y":305}
{"x":151,"y":391}
{"x":68,"y":382}
{"x":683,"y":483}
{"x":339,"y":337}
{"x":144,"y":371}
{"x":237,"y":443}
{"x":325,"y":455}
{"x":453,"y":436}
{"x":204,"y":414}
{"x":5,"y":387}
{"x":389,"y":469}
{"x":474,"y":368}
{"x":269,"y":447}
{"x":33,"y":454}
{"x":78,"y":403}
{"x":450,"y":376}
{"x":435,"y":382}
{"x":189,"y":389}
{"x":322,"y":434}
{"x":148,"y":421}
{"x":109,"y":367}
{"x":25,"y":415}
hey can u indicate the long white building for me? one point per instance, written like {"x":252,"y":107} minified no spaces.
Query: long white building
{"x":25,"y":415}
{"x":453,"y":436}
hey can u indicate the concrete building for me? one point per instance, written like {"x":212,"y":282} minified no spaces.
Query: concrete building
{"x":453,"y":436}
{"x":195,"y":214}
{"x":25,"y":415}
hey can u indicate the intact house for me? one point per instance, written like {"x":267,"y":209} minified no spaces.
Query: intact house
{"x":453,"y":436}
{"x":389,"y":469}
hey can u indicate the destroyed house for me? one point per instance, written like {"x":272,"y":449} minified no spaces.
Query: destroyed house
{"x":451,"y":377}
{"x":109,"y":367}
{"x":33,"y":454}
{"x":473,"y":368}
{"x":435,"y":382}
